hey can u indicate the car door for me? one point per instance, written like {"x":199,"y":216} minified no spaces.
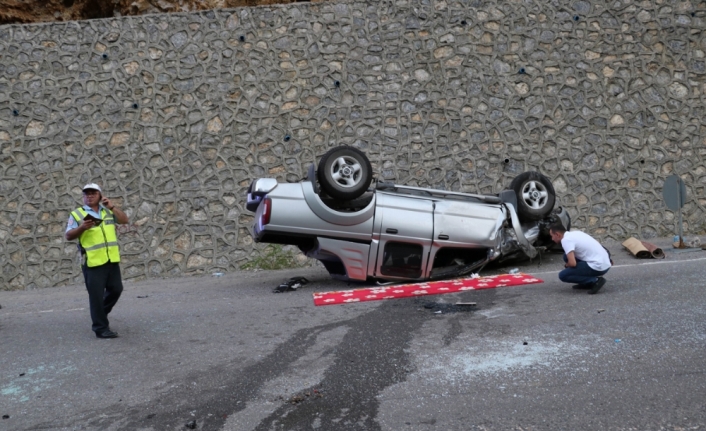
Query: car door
{"x":467,"y":224}
{"x":463,"y":226}
{"x":403,"y":232}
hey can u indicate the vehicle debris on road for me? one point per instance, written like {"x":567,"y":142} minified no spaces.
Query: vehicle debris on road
{"x":293,"y":283}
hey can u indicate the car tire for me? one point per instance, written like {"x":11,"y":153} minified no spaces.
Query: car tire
{"x":535,"y":195}
{"x":344,"y":173}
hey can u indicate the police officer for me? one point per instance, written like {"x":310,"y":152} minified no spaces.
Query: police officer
{"x":94,"y":226}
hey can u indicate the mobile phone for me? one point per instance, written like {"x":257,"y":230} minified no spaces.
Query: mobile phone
{"x":96,"y":221}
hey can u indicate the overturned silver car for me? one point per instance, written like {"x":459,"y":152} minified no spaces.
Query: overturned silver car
{"x":392,"y":232}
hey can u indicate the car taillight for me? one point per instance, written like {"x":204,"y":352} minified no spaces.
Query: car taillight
{"x":266,"y":211}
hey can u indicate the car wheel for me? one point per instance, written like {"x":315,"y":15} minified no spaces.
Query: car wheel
{"x":535,"y":195}
{"x":344,"y":173}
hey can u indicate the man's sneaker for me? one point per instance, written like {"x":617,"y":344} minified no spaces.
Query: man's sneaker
{"x":597,"y":286}
{"x":582,"y":286}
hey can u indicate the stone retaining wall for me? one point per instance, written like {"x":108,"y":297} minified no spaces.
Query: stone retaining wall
{"x":174,"y":114}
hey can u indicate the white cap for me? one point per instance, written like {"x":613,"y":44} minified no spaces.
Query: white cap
{"x":92,"y":186}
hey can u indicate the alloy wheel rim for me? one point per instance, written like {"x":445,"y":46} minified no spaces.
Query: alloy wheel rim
{"x":346,"y":172}
{"x":535,"y":194}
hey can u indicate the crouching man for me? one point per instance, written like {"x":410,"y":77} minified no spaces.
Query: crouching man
{"x":586,"y":259}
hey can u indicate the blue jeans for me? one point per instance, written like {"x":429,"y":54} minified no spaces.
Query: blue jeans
{"x":580,"y":274}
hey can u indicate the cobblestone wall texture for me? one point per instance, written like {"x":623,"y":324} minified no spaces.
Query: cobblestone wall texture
{"x":175,"y":114}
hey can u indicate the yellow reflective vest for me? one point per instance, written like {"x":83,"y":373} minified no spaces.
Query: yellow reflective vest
{"x":100,"y":242}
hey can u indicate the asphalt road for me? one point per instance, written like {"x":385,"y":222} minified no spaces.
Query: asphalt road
{"x":228,"y":354}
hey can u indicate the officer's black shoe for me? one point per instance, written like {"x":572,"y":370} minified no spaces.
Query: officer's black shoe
{"x":107,"y":334}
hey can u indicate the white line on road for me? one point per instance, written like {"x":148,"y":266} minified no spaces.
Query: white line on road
{"x":634,"y":264}
{"x":41,"y":311}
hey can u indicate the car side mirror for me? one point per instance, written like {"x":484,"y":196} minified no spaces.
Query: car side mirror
{"x":508,"y":196}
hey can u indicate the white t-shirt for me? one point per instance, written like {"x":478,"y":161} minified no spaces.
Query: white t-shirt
{"x":587,"y":249}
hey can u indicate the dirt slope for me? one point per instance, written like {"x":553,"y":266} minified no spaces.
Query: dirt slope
{"x":26,"y":11}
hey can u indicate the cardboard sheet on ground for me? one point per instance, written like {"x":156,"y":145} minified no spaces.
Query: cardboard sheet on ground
{"x":643,"y":249}
{"x":421,"y":289}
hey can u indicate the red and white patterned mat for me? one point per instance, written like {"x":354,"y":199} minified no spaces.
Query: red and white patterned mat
{"x":421,"y":289}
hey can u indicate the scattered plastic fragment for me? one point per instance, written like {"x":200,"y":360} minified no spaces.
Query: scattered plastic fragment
{"x":600,"y":310}
{"x":447,"y":307}
{"x":218,"y":274}
{"x":293,"y":283}
{"x":514,"y":271}
{"x":143,"y":296}
{"x":617,"y":340}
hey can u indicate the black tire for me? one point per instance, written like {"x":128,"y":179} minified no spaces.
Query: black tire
{"x":344,"y":173}
{"x":535,"y":195}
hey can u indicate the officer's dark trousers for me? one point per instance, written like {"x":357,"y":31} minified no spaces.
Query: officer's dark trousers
{"x":104,"y":286}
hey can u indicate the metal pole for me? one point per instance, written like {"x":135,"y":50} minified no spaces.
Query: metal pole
{"x":679,"y":204}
